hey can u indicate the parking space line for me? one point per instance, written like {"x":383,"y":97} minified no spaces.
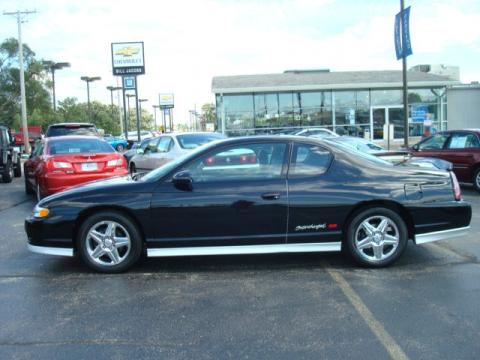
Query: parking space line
{"x":395,"y":351}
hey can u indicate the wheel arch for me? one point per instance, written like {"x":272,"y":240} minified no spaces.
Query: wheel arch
{"x":95,"y":209}
{"x":388,"y":204}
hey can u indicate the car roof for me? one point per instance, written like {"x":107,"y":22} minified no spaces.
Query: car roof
{"x":72,"y":137}
{"x":72,"y":123}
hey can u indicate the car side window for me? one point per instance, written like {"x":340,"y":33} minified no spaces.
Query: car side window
{"x":463,"y":141}
{"x":309,"y":160}
{"x":240,"y":162}
{"x":152,"y":146}
{"x":165,"y":144}
{"x":434,"y":142}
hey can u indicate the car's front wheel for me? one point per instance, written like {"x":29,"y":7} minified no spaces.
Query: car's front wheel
{"x":110,"y":242}
{"x":376,"y":237}
{"x":476,"y":179}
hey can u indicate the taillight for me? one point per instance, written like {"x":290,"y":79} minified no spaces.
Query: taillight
{"x":61,"y":165}
{"x":456,"y":187}
{"x":117,"y":163}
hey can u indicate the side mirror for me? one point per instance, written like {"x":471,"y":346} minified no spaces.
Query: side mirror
{"x":416,"y":147}
{"x":183,"y":181}
{"x":140,"y":151}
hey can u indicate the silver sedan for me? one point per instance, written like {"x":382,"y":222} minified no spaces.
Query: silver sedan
{"x":163,"y":149}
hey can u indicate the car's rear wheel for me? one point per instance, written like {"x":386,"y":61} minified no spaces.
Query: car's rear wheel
{"x":133,"y":169}
{"x":7,"y":175}
{"x":17,"y":171}
{"x":28,"y":187}
{"x":376,"y":237}
{"x":476,"y":179}
{"x":120,"y":147}
{"x":39,"y":192}
{"x":110,"y":242}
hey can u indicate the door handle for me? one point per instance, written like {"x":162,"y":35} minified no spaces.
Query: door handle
{"x":271,"y":196}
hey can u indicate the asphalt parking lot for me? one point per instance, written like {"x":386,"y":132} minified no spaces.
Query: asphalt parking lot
{"x":316,"y":306}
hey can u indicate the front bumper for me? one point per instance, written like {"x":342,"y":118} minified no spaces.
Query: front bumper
{"x":46,"y":250}
{"x":48,"y":233}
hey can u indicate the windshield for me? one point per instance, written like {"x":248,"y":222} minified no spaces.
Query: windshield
{"x":78,"y":146}
{"x":72,"y":130}
{"x":357,"y":153}
{"x":192,"y":141}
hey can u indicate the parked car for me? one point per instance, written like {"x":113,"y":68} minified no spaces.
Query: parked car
{"x":64,"y":129}
{"x":400,"y":158}
{"x":315,"y":131}
{"x":357,"y":143}
{"x":59,"y":163}
{"x":460,"y":147}
{"x":34,"y":135}
{"x":117,"y":143}
{"x":168,"y":147}
{"x":268,"y":194}
{"x":134,"y":149}
{"x":10,"y":162}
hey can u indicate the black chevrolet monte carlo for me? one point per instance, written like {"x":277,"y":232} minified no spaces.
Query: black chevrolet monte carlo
{"x":253,"y":195}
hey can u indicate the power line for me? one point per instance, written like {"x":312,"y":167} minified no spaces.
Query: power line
{"x":20,"y":15}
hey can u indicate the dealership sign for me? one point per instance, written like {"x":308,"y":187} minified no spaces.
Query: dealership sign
{"x":127,"y":58}
{"x":166,"y":101}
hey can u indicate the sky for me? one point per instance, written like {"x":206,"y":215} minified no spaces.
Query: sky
{"x":187,"y":43}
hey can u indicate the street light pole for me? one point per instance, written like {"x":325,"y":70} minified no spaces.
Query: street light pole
{"x":140,"y":106}
{"x":18,"y":15}
{"x":112,"y":89}
{"x":404,"y":79}
{"x":128,"y":108}
{"x":52,"y":66}
{"x":155,"y":107}
{"x":88,"y":80}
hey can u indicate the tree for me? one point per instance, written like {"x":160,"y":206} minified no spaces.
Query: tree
{"x":39,"y":109}
{"x":208,"y":116}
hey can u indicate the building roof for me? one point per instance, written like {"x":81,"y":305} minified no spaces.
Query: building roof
{"x":325,"y":80}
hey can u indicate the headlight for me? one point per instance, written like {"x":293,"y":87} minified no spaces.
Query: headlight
{"x":40,"y":212}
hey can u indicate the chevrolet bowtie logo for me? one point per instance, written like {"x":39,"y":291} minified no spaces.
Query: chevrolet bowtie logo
{"x":127,"y":51}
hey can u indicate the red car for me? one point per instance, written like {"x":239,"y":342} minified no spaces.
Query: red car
{"x":460,"y":147}
{"x":59,"y":163}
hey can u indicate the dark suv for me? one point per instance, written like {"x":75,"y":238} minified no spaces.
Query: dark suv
{"x":72,"y":129}
{"x":460,"y":147}
{"x":10,"y":164}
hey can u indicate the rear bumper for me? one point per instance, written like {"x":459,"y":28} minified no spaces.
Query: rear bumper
{"x":59,"y":182}
{"x":441,"y":235}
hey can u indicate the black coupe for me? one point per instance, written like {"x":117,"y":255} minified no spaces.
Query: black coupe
{"x":253,"y":195}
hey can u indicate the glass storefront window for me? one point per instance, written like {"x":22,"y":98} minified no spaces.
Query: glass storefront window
{"x":238,"y":111}
{"x":386,"y":97}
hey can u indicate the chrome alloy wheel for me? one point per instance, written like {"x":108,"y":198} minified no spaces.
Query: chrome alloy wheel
{"x":477,"y":180}
{"x":108,"y":243}
{"x":377,"y":238}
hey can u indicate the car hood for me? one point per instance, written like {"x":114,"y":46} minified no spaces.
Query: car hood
{"x":112,"y":185}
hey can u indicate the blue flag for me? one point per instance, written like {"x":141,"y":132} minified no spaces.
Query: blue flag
{"x":403,"y":46}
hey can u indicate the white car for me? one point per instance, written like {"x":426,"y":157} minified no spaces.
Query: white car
{"x":315,"y":131}
{"x":163,"y":149}
{"x":132,"y":135}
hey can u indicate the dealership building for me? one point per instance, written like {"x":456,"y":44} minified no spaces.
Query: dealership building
{"x":358,"y":103}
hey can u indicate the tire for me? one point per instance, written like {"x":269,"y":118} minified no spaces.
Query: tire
{"x":8,"y":173}
{"x":376,"y":237}
{"x":101,"y":250}
{"x":476,"y":179}
{"x":39,"y":192}
{"x":133,"y":169}
{"x":17,"y":171}
{"x":120,"y":147}
{"x":28,"y":188}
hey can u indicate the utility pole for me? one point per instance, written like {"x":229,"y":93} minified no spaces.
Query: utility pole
{"x":19,"y":15}
{"x":404,"y":78}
